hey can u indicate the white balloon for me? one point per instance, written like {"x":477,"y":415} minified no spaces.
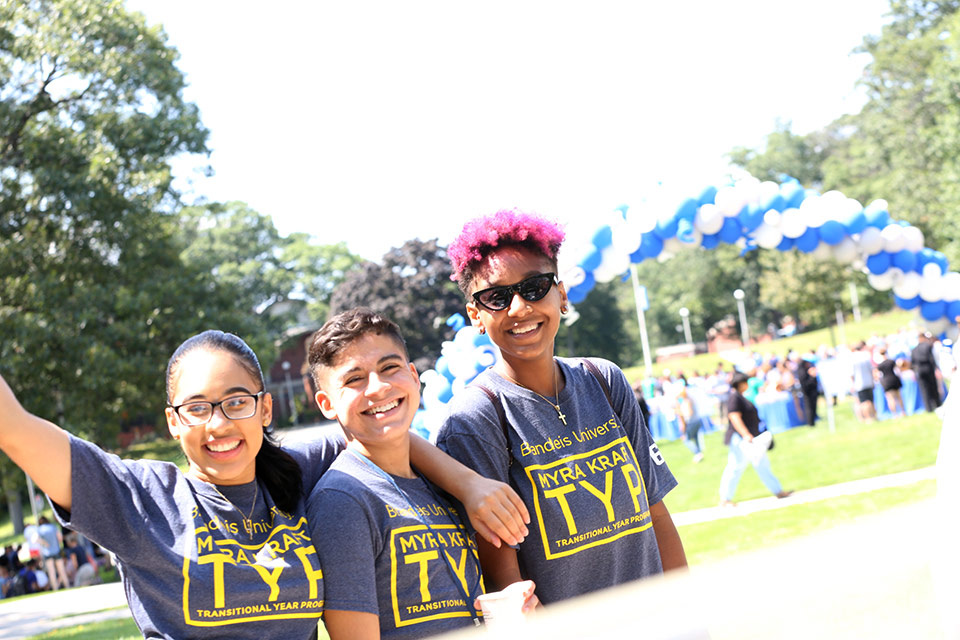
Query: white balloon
{"x":912,"y":239}
{"x":673,"y":246}
{"x":792,"y":223}
{"x":846,"y":250}
{"x":834,"y":205}
{"x":909,"y":286}
{"x":938,"y":326}
{"x":643,"y":217}
{"x":823,"y":251}
{"x":931,"y":270}
{"x":573,"y":276}
{"x":882,"y":281}
{"x":626,"y":237}
{"x":709,"y":219}
{"x":767,"y":236}
{"x":813,"y":211}
{"x":612,"y":264}
{"x":767,"y":190}
{"x":772,"y":218}
{"x":893,"y":239}
{"x":749,"y":190}
{"x":951,"y":286}
{"x":931,"y":288}
{"x":729,"y":200}
{"x":896,"y":274}
{"x":871,"y":241}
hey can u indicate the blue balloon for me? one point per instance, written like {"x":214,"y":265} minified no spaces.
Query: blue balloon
{"x":793,"y":194}
{"x":808,"y":241}
{"x":877,"y":214}
{"x":924,"y":257}
{"x":602,"y":237}
{"x":688,"y":209}
{"x":708,"y":195}
{"x":932,"y":310}
{"x":907,"y":303}
{"x":731,"y":231}
{"x":711,"y":241}
{"x":879,"y":263}
{"x":456,"y":322}
{"x":905,"y":260}
{"x":443,"y":368}
{"x":855,"y":222}
{"x":589,"y":282}
{"x":622,"y":209}
{"x":786,"y":244}
{"x":577,"y":294}
{"x":592,"y":260}
{"x":637,"y":256}
{"x":481,"y":340}
{"x":666,"y":229}
{"x":775,"y":202}
{"x":953,"y":310}
{"x":832,"y":232}
{"x":446,"y":392}
{"x":751,"y":217}
{"x":941,"y":261}
{"x":651,"y":245}
{"x":685,"y":231}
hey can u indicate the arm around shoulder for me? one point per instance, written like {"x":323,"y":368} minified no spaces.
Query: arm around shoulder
{"x":672,"y":555}
{"x":351,"y":625}
{"x":39,"y":447}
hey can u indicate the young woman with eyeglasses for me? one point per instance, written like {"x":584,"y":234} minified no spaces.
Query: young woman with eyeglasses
{"x":565,"y":432}
{"x":223,"y":550}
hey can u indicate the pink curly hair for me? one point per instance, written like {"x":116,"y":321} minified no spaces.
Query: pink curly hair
{"x":480,"y":236}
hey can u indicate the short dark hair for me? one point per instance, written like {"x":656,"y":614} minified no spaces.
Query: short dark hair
{"x":342,"y":330}
{"x":738,"y":378}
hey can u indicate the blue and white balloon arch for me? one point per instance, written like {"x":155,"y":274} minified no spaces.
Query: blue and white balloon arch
{"x":767,"y":215}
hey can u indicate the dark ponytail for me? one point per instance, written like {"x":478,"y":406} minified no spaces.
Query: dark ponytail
{"x":276,"y":469}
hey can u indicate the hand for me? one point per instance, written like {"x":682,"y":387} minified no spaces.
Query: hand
{"x":496,"y":511}
{"x":530,"y":599}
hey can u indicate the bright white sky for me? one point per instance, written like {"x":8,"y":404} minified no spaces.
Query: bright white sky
{"x":377,"y":122}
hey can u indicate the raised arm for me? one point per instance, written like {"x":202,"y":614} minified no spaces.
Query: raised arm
{"x":495,"y":510}
{"x":37,"y":446}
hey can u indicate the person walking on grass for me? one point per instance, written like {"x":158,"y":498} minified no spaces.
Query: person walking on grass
{"x":742,"y":427}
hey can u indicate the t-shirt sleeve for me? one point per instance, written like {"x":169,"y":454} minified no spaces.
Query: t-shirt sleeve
{"x":660,"y":480}
{"x":472,"y":434}
{"x":316,"y":455}
{"x":113,"y":499}
{"x":347,"y":544}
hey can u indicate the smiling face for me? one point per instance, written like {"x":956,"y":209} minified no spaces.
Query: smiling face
{"x":223,"y":451}
{"x":524,"y":330}
{"x":372,"y":390}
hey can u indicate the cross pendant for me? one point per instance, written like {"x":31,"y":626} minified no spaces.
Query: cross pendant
{"x":562,"y":417}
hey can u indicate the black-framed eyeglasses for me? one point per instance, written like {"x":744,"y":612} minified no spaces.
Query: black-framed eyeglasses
{"x":238,"y":407}
{"x":532,"y":289}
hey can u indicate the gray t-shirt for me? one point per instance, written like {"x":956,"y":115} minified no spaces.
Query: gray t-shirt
{"x":379,"y":556}
{"x":189,"y":567}
{"x":588,"y":484}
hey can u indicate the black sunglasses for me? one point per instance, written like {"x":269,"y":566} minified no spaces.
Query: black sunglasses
{"x":532,"y":289}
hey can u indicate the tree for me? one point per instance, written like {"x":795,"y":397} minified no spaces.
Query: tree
{"x":318,"y":270}
{"x":90,"y":114}
{"x":412,"y":287}
{"x":602,"y":330}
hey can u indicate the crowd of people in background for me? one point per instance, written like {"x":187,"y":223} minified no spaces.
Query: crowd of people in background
{"x":51,"y":558}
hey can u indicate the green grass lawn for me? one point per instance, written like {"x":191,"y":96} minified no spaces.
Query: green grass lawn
{"x":804,"y":457}
{"x":881,"y":324}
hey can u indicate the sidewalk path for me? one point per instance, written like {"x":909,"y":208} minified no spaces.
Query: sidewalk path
{"x":26,"y":617}
{"x":802,"y":497}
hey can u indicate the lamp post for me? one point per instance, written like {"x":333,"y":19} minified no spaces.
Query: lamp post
{"x":744,"y":331}
{"x":685,"y":317}
{"x":292,"y":404}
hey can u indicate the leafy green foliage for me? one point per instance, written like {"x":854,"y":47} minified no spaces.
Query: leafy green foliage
{"x":412,"y":287}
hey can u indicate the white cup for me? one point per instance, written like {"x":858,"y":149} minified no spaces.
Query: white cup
{"x":504,"y":609}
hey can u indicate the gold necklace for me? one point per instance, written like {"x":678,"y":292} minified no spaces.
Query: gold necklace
{"x":247,"y":520}
{"x":556,"y":393}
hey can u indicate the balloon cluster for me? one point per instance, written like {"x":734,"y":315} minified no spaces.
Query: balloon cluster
{"x":772,"y":216}
{"x":461,"y":360}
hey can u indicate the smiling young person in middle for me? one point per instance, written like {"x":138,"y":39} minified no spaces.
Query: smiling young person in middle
{"x":399,"y":560}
